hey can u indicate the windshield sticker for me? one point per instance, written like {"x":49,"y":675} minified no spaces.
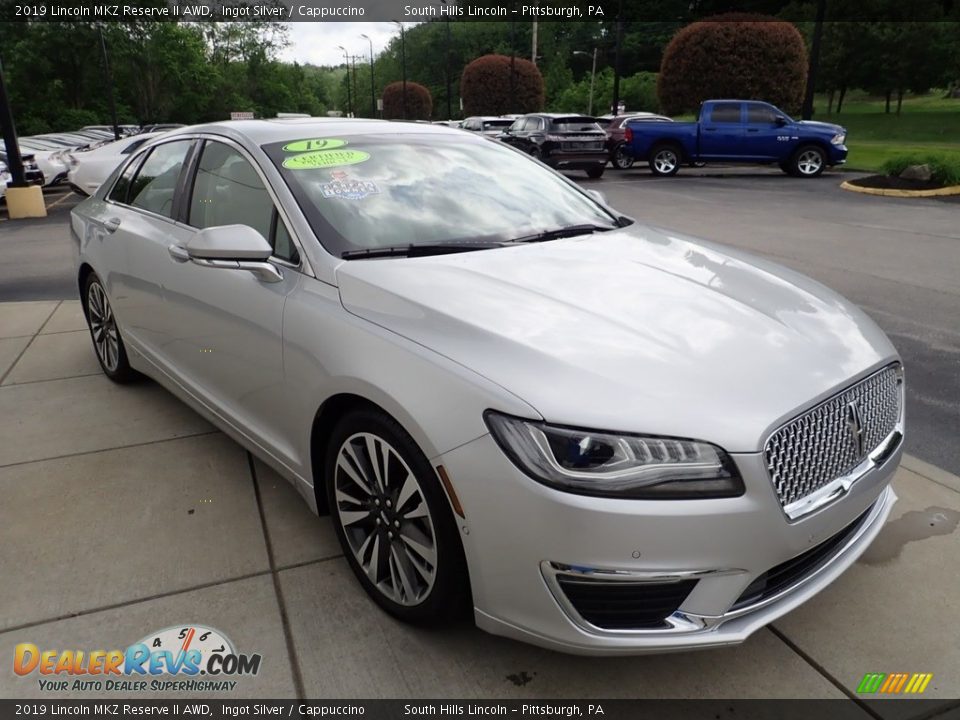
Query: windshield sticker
{"x":344,"y":187}
{"x":325,"y":159}
{"x":314,"y":144}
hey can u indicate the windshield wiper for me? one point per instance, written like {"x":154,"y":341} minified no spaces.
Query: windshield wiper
{"x":418,"y":250}
{"x":568,"y":231}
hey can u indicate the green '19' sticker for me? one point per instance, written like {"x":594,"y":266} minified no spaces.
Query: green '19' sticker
{"x":325,"y":159}
{"x":314,"y":144}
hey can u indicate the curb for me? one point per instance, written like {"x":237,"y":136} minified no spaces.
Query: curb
{"x":891,"y":192}
{"x":930,"y":472}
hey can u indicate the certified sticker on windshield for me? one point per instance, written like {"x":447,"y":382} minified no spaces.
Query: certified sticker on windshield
{"x":314,"y":144}
{"x":325,"y":159}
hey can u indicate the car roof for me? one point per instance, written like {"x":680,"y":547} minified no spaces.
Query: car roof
{"x":264,"y":132}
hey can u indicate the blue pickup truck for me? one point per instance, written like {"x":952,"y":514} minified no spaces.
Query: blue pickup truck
{"x":738,"y":131}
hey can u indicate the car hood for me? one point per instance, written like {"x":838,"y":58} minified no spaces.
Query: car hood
{"x":634,"y":330}
{"x":821,"y":126}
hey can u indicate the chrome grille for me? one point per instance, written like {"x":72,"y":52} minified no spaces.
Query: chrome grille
{"x":821,"y":445}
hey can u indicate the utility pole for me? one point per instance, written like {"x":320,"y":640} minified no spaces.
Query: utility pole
{"x":807,"y":111}
{"x":109,"y":77}
{"x":356,"y":89}
{"x":14,"y":160}
{"x":403,"y":65}
{"x":618,"y":41}
{"x":346,"y":62}
{"x":533,"y":51}
{"x":593,"y":75}
{"x":373,"y":91}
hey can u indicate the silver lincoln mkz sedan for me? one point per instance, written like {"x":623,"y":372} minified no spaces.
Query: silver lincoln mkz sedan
{"x":602,"y":437}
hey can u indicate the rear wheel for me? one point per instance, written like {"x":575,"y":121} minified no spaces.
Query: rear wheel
{"x":107,"y":340}
{"x":621,"y":160}
{"x":393,"y":520}
{"x":809,"y":161}
{"x":595,"y":172}
{"x":535,"y":153}
{"x":664,"y":160}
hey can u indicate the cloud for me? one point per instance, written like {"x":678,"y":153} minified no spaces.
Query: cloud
{"x":316,"y":42}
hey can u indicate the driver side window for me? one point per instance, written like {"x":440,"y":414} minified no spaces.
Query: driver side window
{"x":228,"y":191}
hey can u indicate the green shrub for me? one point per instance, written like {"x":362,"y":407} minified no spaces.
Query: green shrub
{"x":944,"y":171}
{"x":746,"y":57}
{"x":486,"y":87}
{"x":419,"y":101}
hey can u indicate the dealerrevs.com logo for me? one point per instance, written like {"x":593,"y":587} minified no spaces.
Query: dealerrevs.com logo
{"x":178,"y":658}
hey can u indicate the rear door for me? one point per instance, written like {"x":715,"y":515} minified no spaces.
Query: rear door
{"x":721,"y":131}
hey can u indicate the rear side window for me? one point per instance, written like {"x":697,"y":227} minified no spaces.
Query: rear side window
{"x":725,"y":113}
{"x":121,"y":188}
{"x":155,"y":184}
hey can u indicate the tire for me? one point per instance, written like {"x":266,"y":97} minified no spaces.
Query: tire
{"x":596,"y":172}
{"x":620,"y":159}
{"x":665,"y":160}
{"x":808,"y":161}
{"x":105,"y":333}
{"x":535,"y":153}
{"x":420,"y":572}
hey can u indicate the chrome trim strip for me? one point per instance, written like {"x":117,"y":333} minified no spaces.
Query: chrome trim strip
{"x":682,"y":622}
{"x":678,"y":622}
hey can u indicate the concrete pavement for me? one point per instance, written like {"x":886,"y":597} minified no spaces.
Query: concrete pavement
{"x":122,"y":512}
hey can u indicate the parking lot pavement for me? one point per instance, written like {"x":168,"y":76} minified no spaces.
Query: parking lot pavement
{"x":123,"y":513}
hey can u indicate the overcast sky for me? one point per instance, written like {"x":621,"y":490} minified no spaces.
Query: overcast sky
{"x":316,"y":42}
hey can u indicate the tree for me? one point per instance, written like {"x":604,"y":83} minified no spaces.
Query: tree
{"x":497,"y":85}
{"x":753,"y":57}
{"x":419,"y":104}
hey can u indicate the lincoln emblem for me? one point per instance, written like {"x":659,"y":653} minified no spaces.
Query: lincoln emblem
{"x":855,"y":426}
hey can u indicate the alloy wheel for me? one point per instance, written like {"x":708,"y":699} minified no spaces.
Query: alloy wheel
{"x":665,"y":161}
{"x":621,"y":160}
{"x":103,"y":327}
{"x":385,"y":518}
{"x":809,"y":162}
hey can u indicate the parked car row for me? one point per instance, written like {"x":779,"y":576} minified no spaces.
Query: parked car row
{"x":49,"y":154}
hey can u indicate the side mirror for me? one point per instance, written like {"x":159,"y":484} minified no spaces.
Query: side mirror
{"x":780,"y":121}
{"x":229,"y":242}
{"x":599,"y":197}
{"x":231,"y":247}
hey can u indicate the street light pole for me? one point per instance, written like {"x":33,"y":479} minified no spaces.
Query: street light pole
{"x":403,"y":65}
{"x":109,"y":77}
{"x":593,"y":75}
{"x":373,"y":91}
{"x":346,"y":61}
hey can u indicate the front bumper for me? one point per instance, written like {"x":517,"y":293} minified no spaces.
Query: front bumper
{"x":519,"y":534}
{"x":837,"y":154}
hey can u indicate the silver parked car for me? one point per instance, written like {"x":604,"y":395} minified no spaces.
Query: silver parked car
{"x":601,"y":437}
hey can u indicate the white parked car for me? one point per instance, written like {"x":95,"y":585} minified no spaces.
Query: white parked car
{"x":51,"y":161}
{"x":599,"y":436}
{"x":89,"y":168}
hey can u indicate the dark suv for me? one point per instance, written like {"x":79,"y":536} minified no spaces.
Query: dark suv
{"x":562,"y":141}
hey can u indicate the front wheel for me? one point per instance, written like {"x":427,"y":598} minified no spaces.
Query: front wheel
{"x":664,"y":160}
{"x":393,"y":520}
{"x":595,"y":172}
{"x":621,"y":160}
{"x":809,"y":161}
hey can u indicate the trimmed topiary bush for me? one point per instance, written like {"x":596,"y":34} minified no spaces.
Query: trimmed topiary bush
{"x":419,"y":102}
{"x":736,"y":56}
{"x":486,"y":87}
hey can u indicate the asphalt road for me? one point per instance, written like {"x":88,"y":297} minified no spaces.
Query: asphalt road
{"x":898,"y":259}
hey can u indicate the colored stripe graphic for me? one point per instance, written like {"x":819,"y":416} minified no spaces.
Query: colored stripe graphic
{"x":894,"y":683}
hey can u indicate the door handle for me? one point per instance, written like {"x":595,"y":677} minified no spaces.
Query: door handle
{"x":710,"y":129}
{"x":178,"y":253}
{"x":111,"y":224}
{"x":753,"y":129}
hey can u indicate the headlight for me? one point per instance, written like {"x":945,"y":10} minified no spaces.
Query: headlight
{"x":603,"y":464}
{"x":839,"y":139}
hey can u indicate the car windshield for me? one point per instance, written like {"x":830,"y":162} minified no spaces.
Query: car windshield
{"x":367,"y":191}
